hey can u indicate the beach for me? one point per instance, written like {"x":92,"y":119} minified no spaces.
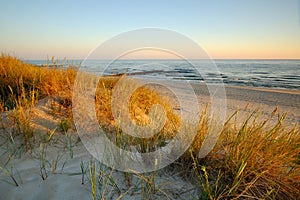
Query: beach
{"x":65,"y":180}
{"x":267,"y":103}
{"x":150,"y":100}
{"x":263,"y":100}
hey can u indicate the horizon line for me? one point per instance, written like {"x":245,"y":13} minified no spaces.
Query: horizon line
{"x":70,"y":59}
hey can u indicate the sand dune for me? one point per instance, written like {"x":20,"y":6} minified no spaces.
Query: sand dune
{"x":64,"y":179}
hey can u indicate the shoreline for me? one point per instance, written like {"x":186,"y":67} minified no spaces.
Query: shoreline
{"x":247,"y":100}
{"x":265,"y":89}
{"x":269,"y":96}
{"x":266,"y":101}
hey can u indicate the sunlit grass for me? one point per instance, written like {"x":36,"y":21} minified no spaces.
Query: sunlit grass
{"x":139,"y":105}
{"x":250,"y":161}
{"x":253,"y":160}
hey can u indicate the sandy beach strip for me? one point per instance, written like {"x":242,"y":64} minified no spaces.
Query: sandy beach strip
{"x":245,"y":99}
{"x":265,"y":100}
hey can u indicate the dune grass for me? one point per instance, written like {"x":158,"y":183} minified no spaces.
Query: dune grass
{"x":22,"y":85}
{"x":31,"y":83}
{"x":251,"y":160}
{"x":139,"y":105}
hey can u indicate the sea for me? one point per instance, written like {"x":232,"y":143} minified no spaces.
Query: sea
{"x":281,"y":74}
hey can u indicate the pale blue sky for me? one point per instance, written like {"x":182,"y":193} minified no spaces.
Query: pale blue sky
{"x":226,"y":29}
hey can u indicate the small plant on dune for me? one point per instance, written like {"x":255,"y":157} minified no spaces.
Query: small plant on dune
{"x":93,"y":179}
{"x":83,"y":171}
{"x":206,"y":188}
{"x":148,"y":184}
{"x":43,"y":161}
{"x":21,"y":115}
{"x":10,"y":172}
{"x":69,"y":144}
{"x":107,"y":185}
{"x":42,"y":156}
{"x":64,"y":125}
{"x":102,"y":181}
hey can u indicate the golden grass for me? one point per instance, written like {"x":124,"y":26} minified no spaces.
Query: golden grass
{"x":140,"y":104}
{"x":19,"y":79}
{"x":249,"y":161}
{"x":22,"y":85}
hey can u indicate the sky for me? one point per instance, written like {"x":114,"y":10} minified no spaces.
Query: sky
{"x":250,"y":29}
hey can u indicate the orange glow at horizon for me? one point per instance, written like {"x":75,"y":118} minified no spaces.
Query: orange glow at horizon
{"x":216,"y":50}
{"x":262,"y":53}
{"x":225,"y":52}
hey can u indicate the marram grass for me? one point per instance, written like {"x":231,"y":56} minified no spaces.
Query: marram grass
{"x":250,"y":161}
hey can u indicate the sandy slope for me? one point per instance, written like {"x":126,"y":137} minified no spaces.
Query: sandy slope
{"x":63,"y":167}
